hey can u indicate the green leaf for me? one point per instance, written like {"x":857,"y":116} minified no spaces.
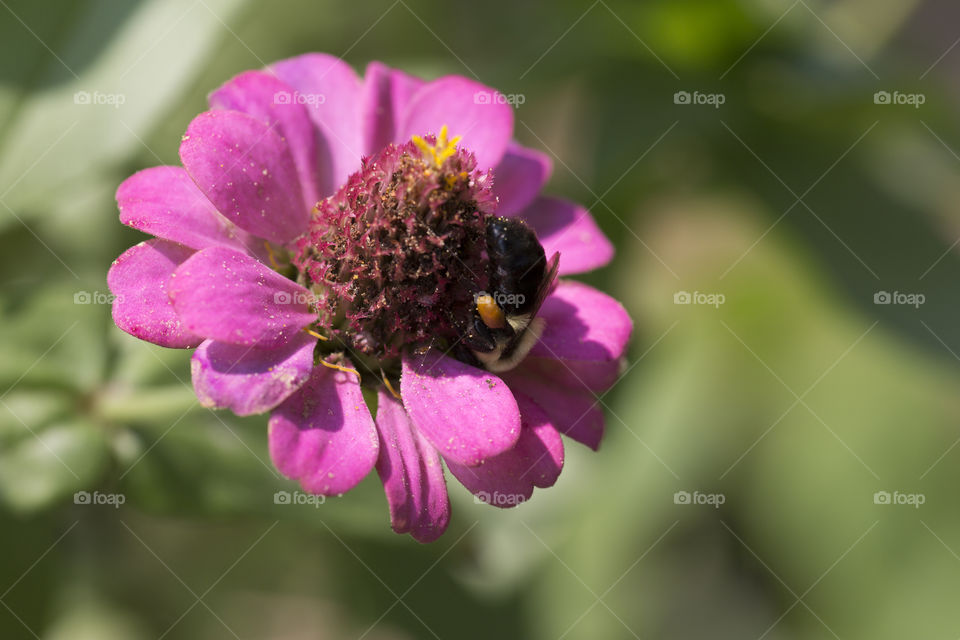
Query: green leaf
{"x":51,"y":464}
{"x":100,"y":92}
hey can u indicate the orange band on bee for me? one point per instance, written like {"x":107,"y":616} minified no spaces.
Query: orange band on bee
{"x":490,"y":312}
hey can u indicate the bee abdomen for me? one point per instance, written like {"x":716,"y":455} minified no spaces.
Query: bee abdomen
{"x":517,"y":264}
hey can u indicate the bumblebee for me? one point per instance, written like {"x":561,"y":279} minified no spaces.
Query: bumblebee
{"x":503,"y":325}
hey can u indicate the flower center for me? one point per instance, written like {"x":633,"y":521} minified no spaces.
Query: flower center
{"x":397,"y":254}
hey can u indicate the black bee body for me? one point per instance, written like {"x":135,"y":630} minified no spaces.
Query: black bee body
{"x":502,"y":326}
{"x":517,"y":265}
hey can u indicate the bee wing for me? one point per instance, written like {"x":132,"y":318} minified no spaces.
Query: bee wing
{"x":548,"y":283}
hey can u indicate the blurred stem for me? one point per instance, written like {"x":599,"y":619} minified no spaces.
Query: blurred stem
{"x":144,"y":406}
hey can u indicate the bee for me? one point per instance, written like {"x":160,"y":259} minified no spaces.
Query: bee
{"x":503,"y":325}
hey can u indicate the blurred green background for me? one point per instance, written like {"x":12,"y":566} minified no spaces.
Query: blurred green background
{"x":795,"y":403}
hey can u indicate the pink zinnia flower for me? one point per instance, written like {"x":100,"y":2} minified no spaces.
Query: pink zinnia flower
{"x":326,"y":234}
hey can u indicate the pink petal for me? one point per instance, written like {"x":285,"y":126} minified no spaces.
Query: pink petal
{"x":570,"y":229}
{"x":247,"y":380}
{"x":263,"y":96}
{"x":386,"y":93}
{"x":164,"y":201}
{"x":245,"y":168}
{"x":508,"y":479}
{"x":139,"y":279}
{"x":323,"y":435}
{"x":468,"y":414}
{"x":519,"y":177}
{"x":573,"y":412}
{"x":412,"y":474}
{"x":333,"y":95}
{"x":587,"y":331}
{"x":469,"y":109}
{"x":227,"y":296}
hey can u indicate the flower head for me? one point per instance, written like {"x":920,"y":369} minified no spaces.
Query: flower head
{"x":397,"y":250}
{"x":327,"y":233}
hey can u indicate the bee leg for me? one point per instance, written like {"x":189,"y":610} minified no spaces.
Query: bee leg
{"x":478,"y":336}
{"x":463,"y":353}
